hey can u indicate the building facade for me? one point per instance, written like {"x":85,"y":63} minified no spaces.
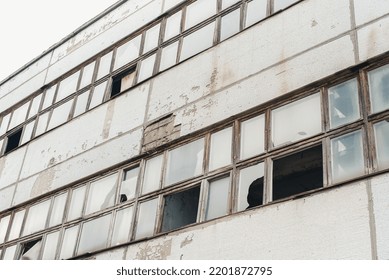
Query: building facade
{"x":208,"y":129}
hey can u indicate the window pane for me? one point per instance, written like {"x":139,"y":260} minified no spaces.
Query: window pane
{"x":347,"y":156}
{"x":98,"y":95}
{"x":197,"y":41}
{"x":282,"y":4}
{"x":104,"y":66}
{"x":10,"y":253}
{"x":151,"y":38}
{"x":173,"y":25}
{"x":256,"y":11}
{"x":127,"y":52}
{"x":168,"y":56}
{"x":50,"y":246}
{"x":31,"y":250}
{"x":381,"y":130}
{"x":101,"y":194}
{"x":94,"y":234}
{"x":36,"y":217}
{"x":185,"y":162}
{"x":3,"y":227}
{"x":4,"y":124}
{"x":199,"y":11}
{"x":49,"y":97}
{"x":146,"y":68}
{"x":27,"y":132}
{"x":19,"y":116}
{"x":252,"y":137}
{"x":220,"y":151}
{"x":250,"y":193}
{"x":69,"y":242}
{"x":122,"y":228}
{"x":228,"y":3}
{"x":230,"y":24}
{"x":379,"y":89}
{"x":343,"y":103}
{"x":16,"y":225}
{"x":128,"y":186}
{"x":87,"y":74}
{"x":76,"y":203}
{"x":42,"y":123}
{"x":58,"y":210}
{"x":152,"y":175}
{"x":60,"y":114}
{"x":68,"y":86}
{"x":146,"y":219}
{"x":35,"y":106}
{"x":295,"y":121}
{"x":217,"y":205}
{"x":81,"y":102}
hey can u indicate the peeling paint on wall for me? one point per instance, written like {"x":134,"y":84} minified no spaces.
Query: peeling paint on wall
{"x":108,"y":119}
{"x":43,"y":182}
{"x":156,"y":252}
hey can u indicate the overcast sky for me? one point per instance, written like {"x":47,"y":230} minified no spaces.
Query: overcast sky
{"x":29,"y":27}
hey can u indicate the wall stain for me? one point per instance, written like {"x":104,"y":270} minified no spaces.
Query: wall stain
{"x":154,"y":252}
{"x":2,"y":164}
{"x":187,"y":240}
{"x":108,"y":119}
{"x":43,"y":182}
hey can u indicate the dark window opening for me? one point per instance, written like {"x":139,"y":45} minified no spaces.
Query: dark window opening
{"x":298,"y":173}
{"x":13,"y":141}
{"x":123,"y":81}
{"x":255,"y":193}
{"x":30,"y":250}
{"x":180,"y":209}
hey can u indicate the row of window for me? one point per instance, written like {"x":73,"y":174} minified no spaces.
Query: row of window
{"x":317,"y":140}
{"x":173,"y":39}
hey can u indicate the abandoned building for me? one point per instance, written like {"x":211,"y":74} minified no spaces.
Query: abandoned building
{"x":207,"y":129}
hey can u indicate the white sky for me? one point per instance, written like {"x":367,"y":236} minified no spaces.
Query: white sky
{"x":29,"y":27}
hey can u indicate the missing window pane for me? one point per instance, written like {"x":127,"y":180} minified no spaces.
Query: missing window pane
{"x":101,"y":194}
{"x":13,"y":141}
{"x":128,"y":186}
{"x":30,"y":250}
{"x":250,"y":192}
{"x":123,"y":81}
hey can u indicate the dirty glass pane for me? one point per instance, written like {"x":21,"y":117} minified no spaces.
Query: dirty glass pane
{"x":98,"y":95}
{"x":76,"y":203}
{"x":173,"y":25}
{"x":35,"y":106}
{"x":381,"y":130}
{"x":228,"y":3}
{"x":36,"y":217}
{"x":104,"y":66}
{"x":89,"y":240}
{"x":87,"y":74}
{"x":31,"y":250}
{"x":152,"y":175}
{"x":60,"y":114}
{"x":146,"y":68}
{"x":69,"y":242}
{"x":197,"y":41}
{"x":128,"y":186}
{"x":230,"y":24}
{"x":250,"y":188}
{"x":58,"y":210}
{"x":282,"y":4}
{"x":3,"y":227}
{"x":199,"y":11}
{"x":217,"y":204}
{"x":27,"y":132}
{"x":185,"y":162}
{"x":146,"y":219}
{"x":343,"y":103}
{"x":68,"y":86}
{"x":151,"y":39}
{"x":296,"y":121}
{"x":379,"y":89}
{"x":101,"y":194}
{"x":220,"y":151}
{"x":127,"y":52}
{"x":19,"y":115}
{"x":81,"y":102}
{"x":49,"y":97}
{"x":10,"y":253}
{"x":42,"y":123}
{"x":50,"y":247}
{"x":4,"y":124}
{"x":252,"y":137}
{"x":168,"y":56}
{"x":256,"y":11}
{"x":347,"y":156}
{"x":16,"y":225}
{"x":122,"y":227}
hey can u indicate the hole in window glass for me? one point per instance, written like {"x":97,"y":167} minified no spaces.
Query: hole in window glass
{"x":10,"y":253}
{"x":256,"y":11}
{"x":250,"y":192}
{"x":298,"y":173}
{"x":98,"y":95}
{"x":379,"y":89}
{"x":87,"y":75}
{"x":13,"y":141}
{"x":104,"y":66}
{"x":94,"y":234}
{"x":381,"y":131}
{"x":185,"y":162}
{"x":217,"y":204}
{"x":30,"y":250}
{"x":67,"y":86}
{"x":81,"y":103}
{"x":19,"y":116}
{"x":296,"y":121}
{"x":128,"y":186}
{"x":173,"y":26}
{"x":230,"y":25}
{"x":4,"y":221}
{"x":101,"y":194}
{"x":76,"y":203}
{"x":69,"y":242}
{"x":146,"y":68}
{"x":180,"y":209}
{"x":146,"y":219}
{"x":50,"y":247}
{"x":123,"y":81}
{"x":42,"y":123}
{"x":252,"y":137}
{"x":220,"y":151}
{"x":347,"y":156}
{"x":228,"y":3}
{"x":58,"y":210}
{"x":168,"y":56}
{"x":49,"y":97}
{"x":35,"y":106}
{"x":152,"y":175}
{"x":282,"y":4}
{"x":60,"y":114}
{"x":127,"y":52}
{"x":199,"y":11}
{"x":151,"y":38}
{"x":4,"y":124}
{"x":16,"y":225}
{"x":36,"y":217}
{"x":27,"y":132}
{"x":122,"y":227}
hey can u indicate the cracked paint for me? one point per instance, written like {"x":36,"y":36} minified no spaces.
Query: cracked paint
{"x":43,"y":182}
{"x":154,"y":252}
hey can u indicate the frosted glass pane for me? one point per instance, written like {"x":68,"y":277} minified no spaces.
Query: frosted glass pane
{"x":49,"y":97}
{"x":379,"y":89}
{"x":76,"y":203}
{"x":169,"y":56}
{"x":4,"y":124}
{"x":343,"y":103}
{"x":101,"y":194}
{"x":230,"y":25}
{"x":173,"y":26}
{"x":89,"y":240}
{"x":68,"y":86}
{"x":27,"y":133}
{"x":282,"y":4}
{"x":381,"y":130}
{"x":247,"y":177}
{"x":185,"y":162}
{"x":127,"y":52}
{"x":146,"y":219}
{"x":16,"y":225}
{"x":122,"y":227}
{"x":347,"y":156}
{"x":58,"y":210}
{"x":220,"y":151}
{"x":10,"y":253}
{"x":296,"y":121}
{"x":228,"y":3}
{"x":104,"y":66}
{"x":217,"y":205}
{"x":199,"y":11}
{"x":151,"y":38}
{"x":81,"y":102}
{"x":152,"y":175}
{"x":60,"y":114}
{"x":42,"y":123}
{"x":197,"y":41}
{"x":87,"y":74}
{"x":35,"y":106}
{"x":252,"y":137}
{"x":128,"y":186}
{"x":36,"y":217}
{"x":4,"y":222}
{"x":69,"y":242}
{"x":50,"y":247}
{"x":19,"y":115}
{"x":256,"y":11}
{"x":98,"y":95}
{"x":146,"y":68}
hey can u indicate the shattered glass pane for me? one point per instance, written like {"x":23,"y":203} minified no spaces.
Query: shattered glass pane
{"x":101,"y":194}
{"x":128,"y":186}
{"x":250,"y":188}
{"x":31,"y":250}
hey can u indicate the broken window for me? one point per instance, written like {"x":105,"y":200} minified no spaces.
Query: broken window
{"x":4,"y":221}
{"x":297,"y":173}
{"x":152,"y":177}
{"x":220,"y":150}
{"x":381,"y":131}
{"x":42,"y":123}
{"x":347,"y":158}
{"x":60,"y":114}
{"x":185,"y":162}
{"x":87,"y":75}
{"x":94,"y":234}
{"x":228,"y":3}
{"x":251,"y":185}
{"x":104,"y":65}
{"x":151,"y":38}
{"x":101,"y":194}
{"x":69,"y":242}
{"x":252,"y":137}
{"x":199,"y":11}
{"x":173,"y":26}
{"x":127,"y":52}
{"x":98,"y":95}
{"x":76,"y":203}
{"x":16,"y":225}
{"x":30,"y":250}
{"x":19,"y":115}
{"x":35,"y":103}
{"x":379,"y":89}
{"x":27,"y":134}
{"x":58,"y":210}
{"x":122,"y":228}
{"x":343,"y":103}
{"x":67,"y":86}
{"x":9,"y":253}
{"x":50,"y":246}
{"x":218,"y":195}
{"x":81,"y":103}
{"x":230,"y":24}
{"x":168,"y":56}
{"x":123,"y":81}
{"x":4,"y":124}
{"x":146,"y":218}
{"x":296,"y":121}
{"x":146,"y":68}
{"x":256,"y":11}
{"x":36,"y":217}
{"x":180,"y":209}
{"x":128,"y":185}
{"x":13,"y":141}
{"x":49,"y":97}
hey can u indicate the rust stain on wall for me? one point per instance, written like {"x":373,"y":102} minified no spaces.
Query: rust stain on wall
{"x":155,"y":252}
